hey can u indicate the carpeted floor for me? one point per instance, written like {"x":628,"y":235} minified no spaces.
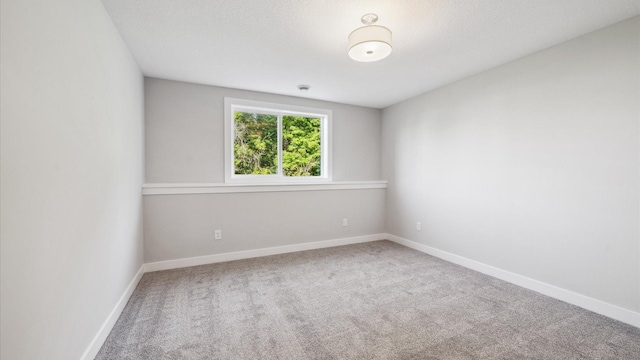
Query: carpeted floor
{"x":376,"y":300}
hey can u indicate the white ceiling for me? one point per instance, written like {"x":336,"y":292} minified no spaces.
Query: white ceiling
{"x":274,"y":45}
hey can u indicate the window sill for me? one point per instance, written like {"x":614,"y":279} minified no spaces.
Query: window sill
{"x":216,"y":188}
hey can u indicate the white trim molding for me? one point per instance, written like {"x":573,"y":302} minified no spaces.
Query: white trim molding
{"x":98,"y":340}
{"x":247,"y":254}
{"x":595,"y":305}
{"x":218,"y":188}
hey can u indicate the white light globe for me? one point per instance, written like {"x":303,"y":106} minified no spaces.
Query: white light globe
{"x":370,"y":43}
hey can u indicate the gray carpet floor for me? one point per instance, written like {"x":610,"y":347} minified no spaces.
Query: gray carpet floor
{"x":375,"y":300}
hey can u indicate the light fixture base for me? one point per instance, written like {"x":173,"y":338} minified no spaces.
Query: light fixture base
{"x":369,"y":19}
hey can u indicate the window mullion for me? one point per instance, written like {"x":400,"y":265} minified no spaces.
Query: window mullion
{"x":323,"y":157}
{"x":280,"y":172}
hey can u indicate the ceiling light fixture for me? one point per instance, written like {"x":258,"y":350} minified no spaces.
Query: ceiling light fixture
{"x":370,"y":42}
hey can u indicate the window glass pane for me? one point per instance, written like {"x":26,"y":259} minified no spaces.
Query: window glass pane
{"x":301,"y":146}
{"x":255,"y":143}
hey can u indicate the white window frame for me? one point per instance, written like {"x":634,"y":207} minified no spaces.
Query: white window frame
{"x":232,"y":105}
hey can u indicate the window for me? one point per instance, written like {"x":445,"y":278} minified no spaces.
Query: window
{"x":267,"y":142}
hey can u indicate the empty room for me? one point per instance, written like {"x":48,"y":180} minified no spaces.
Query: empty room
{"x":326,"y":179}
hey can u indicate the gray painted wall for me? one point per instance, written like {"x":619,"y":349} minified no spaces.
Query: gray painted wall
{"x":182,"y":226}
{"x":185,"y":144}
{"x":184,"y":130}
{"x":532,"y":167}
{"x":71,"y":171}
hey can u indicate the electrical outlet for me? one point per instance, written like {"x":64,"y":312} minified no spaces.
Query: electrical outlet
{"x":218,"y":235}
{"x":345,"y":222}
{"x":419,"y":226}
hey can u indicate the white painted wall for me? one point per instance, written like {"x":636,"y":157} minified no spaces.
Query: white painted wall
{"x":532,"y":167}
{"x":184,"y":127}
{"x":71,"y":171}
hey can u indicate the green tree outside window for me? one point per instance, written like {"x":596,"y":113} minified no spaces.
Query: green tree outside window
{"x":256,"y":144}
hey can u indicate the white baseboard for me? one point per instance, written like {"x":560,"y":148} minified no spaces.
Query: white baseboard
{"x":597,"y":306}
{"x":216,"y":258}
{"x":105,"y":329}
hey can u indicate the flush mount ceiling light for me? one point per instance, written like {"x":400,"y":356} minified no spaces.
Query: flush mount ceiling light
{"x":370,"y":42}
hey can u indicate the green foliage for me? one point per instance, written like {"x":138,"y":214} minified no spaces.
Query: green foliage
{"x":300,"y":146}
{"x":256,"y":145}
